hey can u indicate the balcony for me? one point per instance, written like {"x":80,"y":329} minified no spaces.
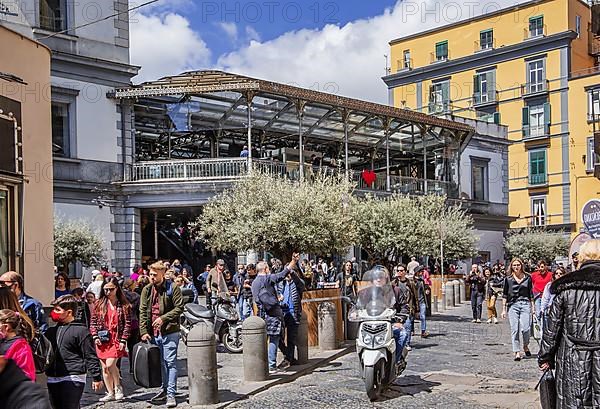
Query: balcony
{"x":536,"y":180}
{"x":593,"y":45}
{"x":535,"y":88}
{"x":231,"y":169}
{"x":536,"y":131}
{"x":402,"y":65}
{"x":433,"y":58}
{"x":540,"y":31}
{"x":439,"y":107}
{"x":479,"y":46}
{"x":483,"y":98}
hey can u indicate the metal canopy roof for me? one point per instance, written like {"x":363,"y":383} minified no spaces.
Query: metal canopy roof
{"x":218,"y":101}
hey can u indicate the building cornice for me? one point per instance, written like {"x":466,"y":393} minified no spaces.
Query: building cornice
{"x":95,"y":70}
{"x":470,"y":62}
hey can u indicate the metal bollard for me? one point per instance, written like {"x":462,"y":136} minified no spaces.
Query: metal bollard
{"x":434,"y":306}
{"x":302,"y":340}
{"x":443,"y":296}
{"x":254,"y":334}
{"x":327,"y":326}
{"x":202,"y":365}
{"x":449,"y":295}
{"x":463,"y":290}
{"x":456,"y":285}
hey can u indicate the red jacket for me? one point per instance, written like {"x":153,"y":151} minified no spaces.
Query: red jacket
{"x":21,"y":353}
{"x":123,"y":324}
{"x":539,"y":282}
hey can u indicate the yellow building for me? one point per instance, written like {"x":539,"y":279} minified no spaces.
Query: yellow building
{"x":530,"y":67}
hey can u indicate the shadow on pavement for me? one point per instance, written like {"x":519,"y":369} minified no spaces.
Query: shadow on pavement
{"x":448,"y":318}
{"x":423,"y":346}
{"x":408,"y":385}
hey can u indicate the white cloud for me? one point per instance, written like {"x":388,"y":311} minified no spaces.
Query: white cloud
{"x":252,"y":34}
{"x":165,"y":44}
{"x":348,"y":60}
{"x":231,"y":30}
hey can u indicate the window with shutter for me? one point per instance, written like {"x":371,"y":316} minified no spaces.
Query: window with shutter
{"x":537,"y":167}
{"x":536,"y":26}
{"x":590,"y":157}
{"x":594,"y":104}
{"x":441,"y":51}
{"x":486,"y":39}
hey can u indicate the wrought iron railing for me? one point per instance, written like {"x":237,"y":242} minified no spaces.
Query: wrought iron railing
{"x":229,"y":169}
{"x":530,"y":88}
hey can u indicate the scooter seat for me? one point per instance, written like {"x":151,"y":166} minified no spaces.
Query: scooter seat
{"x":199,"y":311}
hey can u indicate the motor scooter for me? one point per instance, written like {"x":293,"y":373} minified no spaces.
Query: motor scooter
{"x":223,"y":317}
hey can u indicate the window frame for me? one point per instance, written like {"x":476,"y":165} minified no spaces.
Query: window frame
{"x":484,"y":165}
{"x":540,"y":71}
{"x":65,"y":20}
{"x":406,"y":63}
{"x":596,"y":112}
{"x":542,"y":219}
{"x":439,"y":57}
{"x":578,"y":25}
{"x":590,"y":162}
{"x":538,"y":27}
{"x":437,"y":88}
{"x":532,"y":176}
{"x":68,"y":97}
{"x":483,"y":33}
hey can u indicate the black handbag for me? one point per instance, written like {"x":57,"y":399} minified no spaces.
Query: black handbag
{"x":104,"y":336}
{"x":547,"y":386}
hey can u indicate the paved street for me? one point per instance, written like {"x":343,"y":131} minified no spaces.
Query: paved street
{"x":462,"y":365}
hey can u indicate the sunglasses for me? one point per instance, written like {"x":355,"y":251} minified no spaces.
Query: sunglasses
{"x":6,"y":283}
{"x":107,"y":289}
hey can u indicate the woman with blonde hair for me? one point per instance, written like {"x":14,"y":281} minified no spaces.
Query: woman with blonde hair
{"x":571,"y":338}
{"x":518,"y":305}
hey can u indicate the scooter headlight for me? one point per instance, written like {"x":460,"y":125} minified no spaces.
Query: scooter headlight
{"x":367,"y":339}
{"x":379,"y":339}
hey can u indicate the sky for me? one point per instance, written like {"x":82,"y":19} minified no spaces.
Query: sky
{"x":332,"y":46}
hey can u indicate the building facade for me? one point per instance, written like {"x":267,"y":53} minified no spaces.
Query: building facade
{"x":90,"y":141}
{"x":531,"y":68}
{"x":25,"y":148}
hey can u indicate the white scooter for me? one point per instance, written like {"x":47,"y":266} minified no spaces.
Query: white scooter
{"x":375,"y":343}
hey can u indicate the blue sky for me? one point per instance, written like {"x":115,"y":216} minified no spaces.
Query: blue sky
{"x":270,"y":19}
{"x":337,"y":47}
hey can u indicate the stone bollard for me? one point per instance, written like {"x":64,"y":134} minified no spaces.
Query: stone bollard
{"x":443,"y":296}
{"x":202,"y":365}
{"x":434,"y":303}
{"x":463,"y":290}
{"x":302,"y":340}
{"x":327,"y":326}
{"x":456,"y":285}
{"x":449,"y":295}
{"x":256,"y":364}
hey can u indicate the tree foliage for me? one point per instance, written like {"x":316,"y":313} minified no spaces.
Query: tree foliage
{"x":264,"y":212}
{"x":76,"y":240}
{"x":536,"y":244}
{"x":403,"y":225}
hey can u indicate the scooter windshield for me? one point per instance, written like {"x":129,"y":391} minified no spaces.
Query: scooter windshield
{"x":376,"y":299}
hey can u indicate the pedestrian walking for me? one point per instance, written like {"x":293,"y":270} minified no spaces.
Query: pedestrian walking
{"x":134,"y":332}
{"x":476,"y":283}
{"x":96,"y":285}
{"x":290,"y":297}
{"x":570,"y":342}
{"x":161,"y":304}
{"x":422,"y":291}
{"x":346,"y":280}
{"x":548,"y":296}
{"x":32,"y":307}
{"x":243,"y":283}
{"x":62,"y":285}
{"x":110,"y":329}
{"x":518,"y":305}
{"x":264,"y":294}
{"x":412,"y":264}
{"x":216,"y":284}
{"x":84,"y":313}
{"x":16,"y":332}
{"x":493,"y":288}
{"x":74,"y":356}
{"x":539,"y":279}
{"x":14,"y":385}
{"x":401,"y":279}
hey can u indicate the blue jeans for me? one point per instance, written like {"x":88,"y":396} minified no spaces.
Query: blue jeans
{"x":168,"y":353}
{"x":422,"y":314}
{"x":401,"y":336}
{"x":519,"y":316}
{"x":538,"y":308}
{"x":244,"y":308}
{"x":273,"y":344}
{"x":408,"y":327}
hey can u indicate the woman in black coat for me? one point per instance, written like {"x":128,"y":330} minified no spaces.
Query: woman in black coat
{"x":571,"y":339}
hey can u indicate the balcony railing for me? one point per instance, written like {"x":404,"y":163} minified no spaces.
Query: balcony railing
{"x":593,"y":45}
{"x":230,"y":169}
{"x":535,"y":33}
{"x":532,"y":88}
{"x":51,"y":23}
{"x":540,"y":179}
{"x":480,"y":98}
{"x":433,"y":57}
{"x":487,"y":45}
{"x":439,"y":107}
{"x":536,"y":131}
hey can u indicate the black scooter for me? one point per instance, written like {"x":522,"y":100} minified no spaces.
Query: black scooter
{"x":223,"y":317}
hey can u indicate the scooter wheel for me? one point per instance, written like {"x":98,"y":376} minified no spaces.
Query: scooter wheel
{"x":235,"y":346}
{"x":372,"y":381}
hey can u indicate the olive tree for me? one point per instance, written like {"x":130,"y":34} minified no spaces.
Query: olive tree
{"x":271,"y":213}
{"x":534,"y":244}
{"x":76,"y":241}
{"x":401,"y":225}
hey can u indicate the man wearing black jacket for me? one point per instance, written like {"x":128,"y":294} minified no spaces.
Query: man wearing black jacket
{"x":17,"y":390}
{"x":74,"y":356}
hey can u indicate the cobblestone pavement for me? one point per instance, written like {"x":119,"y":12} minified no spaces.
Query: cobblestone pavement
{"x":462,"y":365}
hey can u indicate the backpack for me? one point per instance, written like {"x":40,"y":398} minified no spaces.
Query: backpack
{"x":263,"y":294}
{"x":43,"y":353}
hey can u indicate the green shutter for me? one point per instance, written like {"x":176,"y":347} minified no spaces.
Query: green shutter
{"x":446,"y":94}
{"x":476,"y":83}
{"x":525,"y":121}
{"x":491,"y":80}
{"x":547,"y":118}
{"x":497,"y":118}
